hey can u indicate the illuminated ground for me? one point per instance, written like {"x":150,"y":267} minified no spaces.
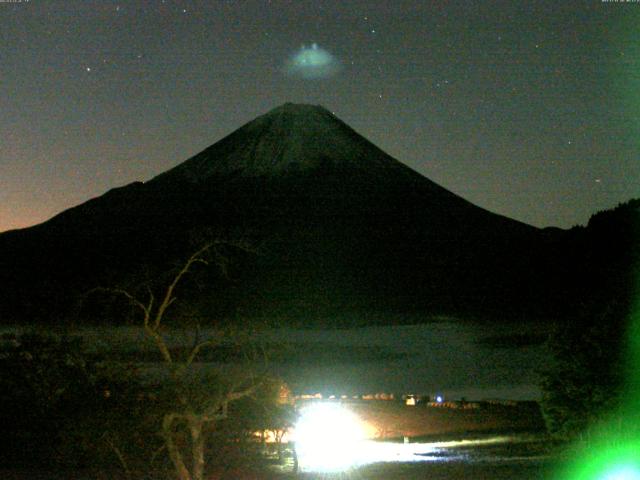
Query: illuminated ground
{"x":495,"y":458}
{"x":333,"y":441}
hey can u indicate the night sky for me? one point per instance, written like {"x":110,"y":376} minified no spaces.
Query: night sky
{"x":528,"y":109}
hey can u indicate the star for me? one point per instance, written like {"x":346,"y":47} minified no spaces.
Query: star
{"x":88,"y":69}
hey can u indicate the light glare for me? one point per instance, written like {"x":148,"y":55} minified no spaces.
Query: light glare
{"x":328,"y":438}
{"x":623,"y":473}
{"x":331,"y":438}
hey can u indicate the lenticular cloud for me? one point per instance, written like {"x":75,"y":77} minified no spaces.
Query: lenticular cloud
{"x":312,"y":62}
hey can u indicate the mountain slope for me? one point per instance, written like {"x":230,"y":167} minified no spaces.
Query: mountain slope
{"x":344,"y":230}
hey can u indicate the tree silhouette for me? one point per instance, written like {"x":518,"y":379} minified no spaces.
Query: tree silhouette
{"x":584,"y":385}
{"x":199,"y":400}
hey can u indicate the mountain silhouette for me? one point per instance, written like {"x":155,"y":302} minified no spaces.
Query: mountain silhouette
{"x":343,"y":234}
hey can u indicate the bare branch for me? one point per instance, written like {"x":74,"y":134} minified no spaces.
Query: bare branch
{"x":116,"y":450}
{"x":192,"y":355}
{"x":146,"y":309}
{"x":160,"y":343}
{"x":155,"y":454}
{"x":237,"y":395}
{"x":168,"y":296}
{"x":151,"y":299}
{"x":172,"y":448}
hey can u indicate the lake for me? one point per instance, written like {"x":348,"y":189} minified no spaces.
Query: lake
{"x":455,"y":359}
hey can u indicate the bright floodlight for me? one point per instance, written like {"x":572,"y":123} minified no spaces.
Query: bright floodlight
{"x":328,"y":438}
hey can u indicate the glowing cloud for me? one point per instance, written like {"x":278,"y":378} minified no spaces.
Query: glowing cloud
{"x":312,"y":62}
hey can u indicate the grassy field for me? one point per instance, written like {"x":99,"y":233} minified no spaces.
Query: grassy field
{"x":392,"y":419}
{"x":470,"y":464}
{"x":457,"y":470}
{"x":496,"y":458}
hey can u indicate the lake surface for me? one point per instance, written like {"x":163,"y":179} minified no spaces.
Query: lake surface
{"x":476,"y":361}
{"x":455,"y":359}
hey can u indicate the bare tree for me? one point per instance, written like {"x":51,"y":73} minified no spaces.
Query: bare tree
{"x":189,"y":416}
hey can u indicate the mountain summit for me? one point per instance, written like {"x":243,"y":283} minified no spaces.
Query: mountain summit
{"x":289,"y":139}
{"x":344,"y":231}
